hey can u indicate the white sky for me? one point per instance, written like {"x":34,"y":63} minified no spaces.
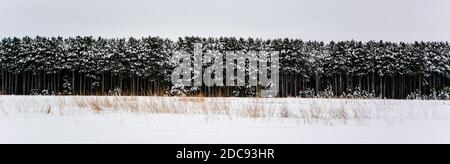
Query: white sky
{"x":394,"y":20}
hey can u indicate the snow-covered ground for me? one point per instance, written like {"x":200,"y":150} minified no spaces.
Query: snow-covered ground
{"x":30,"y":119}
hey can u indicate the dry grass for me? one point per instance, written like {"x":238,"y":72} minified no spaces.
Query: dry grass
{"x":329,"y":112}
{"x":49,"y":110}
{"x":284,"y":112}
{"x":254,"y":111}
{"x":307,"y":111}
{"x":3,"y":109}
{"x":96,"y":107}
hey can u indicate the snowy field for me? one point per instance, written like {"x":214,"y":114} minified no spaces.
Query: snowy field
{"x":29,"y":119}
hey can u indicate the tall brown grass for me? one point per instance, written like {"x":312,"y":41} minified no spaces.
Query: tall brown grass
{"x":311,"y":112}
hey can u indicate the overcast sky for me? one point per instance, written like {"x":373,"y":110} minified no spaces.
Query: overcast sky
{"x":394,"y":20}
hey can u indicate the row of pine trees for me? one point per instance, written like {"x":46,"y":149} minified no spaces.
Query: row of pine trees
{"x":141,"y":66}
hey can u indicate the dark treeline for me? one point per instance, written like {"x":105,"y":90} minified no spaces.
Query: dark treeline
{"x":99,"y":66}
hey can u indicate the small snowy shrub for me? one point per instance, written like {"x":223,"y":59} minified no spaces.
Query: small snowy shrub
{"x":34,"y":92}
{"x":247,"y":91}
{"x":179,"y":90}
{"x":359,"y":94}
{"x":327,"y":93}
{"x":115,"y":92}
{"x":67,"y":87}
{"x":444,"y":94}
{"x":45,"y":92}
{"x":308,"y":93}
{"x":417,"y":95}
